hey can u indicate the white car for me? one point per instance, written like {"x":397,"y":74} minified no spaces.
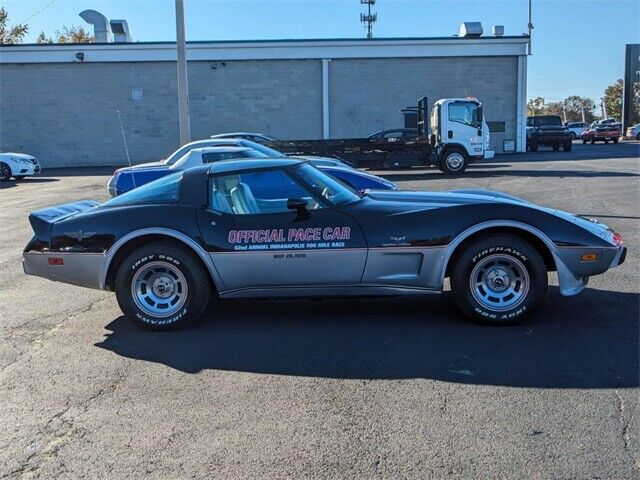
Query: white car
{"x":634,"y":131}
{"x":18,"y":166}
{"x":576,"y":129}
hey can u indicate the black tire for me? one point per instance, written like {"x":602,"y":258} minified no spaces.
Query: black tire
{"x":615,"y":140}
{"x":176,"y":260}
{"x":638,"y":136}
{"x":567,"y":146}
{"x":512,"y":249}
{"x":454,"y":161}
{"x":593,"y":140}
{"x":606,"y":141}
{"x":5,"y":172}
{"x":533,"y":146}
{"x":556,"y":147}
{"x":584,"y":141}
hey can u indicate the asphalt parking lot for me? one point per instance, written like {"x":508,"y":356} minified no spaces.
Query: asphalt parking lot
{"x":384,"y":388}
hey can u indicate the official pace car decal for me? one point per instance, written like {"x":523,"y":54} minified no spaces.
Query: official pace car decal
{"x":289,"y":239}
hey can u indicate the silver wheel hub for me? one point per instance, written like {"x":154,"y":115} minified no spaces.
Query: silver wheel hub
{"x":159,"y":289}
{"x":499,"y":282}
{"x":455,"y":161}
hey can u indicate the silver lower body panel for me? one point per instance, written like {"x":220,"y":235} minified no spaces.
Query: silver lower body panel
{"x":327,"y":291}
{"x":82,"y":269}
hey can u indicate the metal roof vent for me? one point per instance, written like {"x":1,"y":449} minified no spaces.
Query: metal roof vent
{"x":120,"y":30}
{"x":470,"y":29}
{"x":498,"y":30}
{"x":101,"y":28}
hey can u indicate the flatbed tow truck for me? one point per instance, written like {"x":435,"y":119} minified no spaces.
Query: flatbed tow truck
{"x":450,"y":137}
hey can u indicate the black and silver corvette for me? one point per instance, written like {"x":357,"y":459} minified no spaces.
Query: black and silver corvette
{"x":282,"y":228}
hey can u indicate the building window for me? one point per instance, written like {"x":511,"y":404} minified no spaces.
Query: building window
{"x":497,"y":127}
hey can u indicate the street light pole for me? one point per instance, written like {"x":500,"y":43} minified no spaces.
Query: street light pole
{"x":183,"y":89}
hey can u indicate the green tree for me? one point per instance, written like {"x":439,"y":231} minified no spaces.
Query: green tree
{"x":535,"y":106}
{"x":613,"y":99}
{"x":68,"y":35}
{"x":10,"y":35}
{"x":573,"y":106}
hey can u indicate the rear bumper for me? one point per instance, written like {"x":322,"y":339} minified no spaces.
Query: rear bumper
{"x":82,"y":269}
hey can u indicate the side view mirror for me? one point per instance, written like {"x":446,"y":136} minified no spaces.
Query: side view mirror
{"x":299,"y":205}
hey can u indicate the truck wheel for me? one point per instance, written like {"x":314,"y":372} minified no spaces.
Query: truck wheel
{"x":160,"y":286}
{"x":567,"y":146}
{"x":453,"y":162}
{"x":499,"y":279}
{"x":5,"y":172}
{"x":556,"y":147}
{"x":615,"y":139}
{"x":606,"y":140}
{"x":533,"y":146}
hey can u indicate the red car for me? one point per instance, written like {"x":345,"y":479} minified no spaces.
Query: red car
{"x":602,"y":132}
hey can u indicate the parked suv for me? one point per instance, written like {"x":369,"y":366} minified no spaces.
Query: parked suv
{"x":547,"y":130}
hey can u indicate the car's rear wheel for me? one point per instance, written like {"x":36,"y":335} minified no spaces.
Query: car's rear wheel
{"x":638,"y":136}
{"x":556,"y":147}
{"x":584,"y":141}
{"x":454,"y":162}
{"x":499,"y":279}
{"x":5,"y":172}
{"x":567,"y":146}
{"x":593,"y":140}
{"x":606,"y":140}
{"x":533,"y":146}
{"x":161,"y":286}
{"x":615,"y":139}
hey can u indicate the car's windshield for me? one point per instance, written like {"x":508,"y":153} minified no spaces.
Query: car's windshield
{"x":328,"y":187}
{"x":163,"y":190}
{"x":547,"y":120}
{"x":209,"y":156}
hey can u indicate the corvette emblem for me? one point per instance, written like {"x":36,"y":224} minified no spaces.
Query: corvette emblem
{"x":80,"y":235}
{"x":397,"y":239}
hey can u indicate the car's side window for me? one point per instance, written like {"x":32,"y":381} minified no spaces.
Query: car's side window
{"x":253,"y":193}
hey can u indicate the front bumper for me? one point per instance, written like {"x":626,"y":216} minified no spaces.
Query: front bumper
{"x":82,"y":269}
{"x":550,"y":139}
{"x":573,"y":273}
{"x":25,"y":169}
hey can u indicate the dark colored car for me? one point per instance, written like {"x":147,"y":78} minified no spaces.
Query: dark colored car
{"x":547,"y":130}
{"x":215,"y":232}
{"x":398,"y":133}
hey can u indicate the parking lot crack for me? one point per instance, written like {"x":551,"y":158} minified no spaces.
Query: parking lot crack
{"x":624,"y":430}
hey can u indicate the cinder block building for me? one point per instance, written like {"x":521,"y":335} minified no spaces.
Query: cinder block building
{"x":61,"y":102}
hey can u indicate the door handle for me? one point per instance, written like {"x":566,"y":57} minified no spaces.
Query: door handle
{"x":450,"y":134}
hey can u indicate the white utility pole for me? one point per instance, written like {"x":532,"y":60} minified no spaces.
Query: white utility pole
{"x":183,"y":89}
{"x":583,"y":115}
{"x":530,"y":27}
{"x":604,"y":110}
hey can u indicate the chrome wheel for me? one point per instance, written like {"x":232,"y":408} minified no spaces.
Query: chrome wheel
{"x":159,"y":289}
{"x":454,"y":161}
{"x":499,"y":282}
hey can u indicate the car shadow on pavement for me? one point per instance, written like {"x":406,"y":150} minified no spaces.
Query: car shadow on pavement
{"x":18,"y":183}
{"x":588,"y":341}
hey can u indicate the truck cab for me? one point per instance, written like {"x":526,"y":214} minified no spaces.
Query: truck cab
{"x":459,"y":133}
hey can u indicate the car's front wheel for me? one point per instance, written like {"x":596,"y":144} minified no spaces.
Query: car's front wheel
{"x":5,"y":172}
{"x":499,"y":279}
{"x":162,"y":286}
{"x":454,"y":162}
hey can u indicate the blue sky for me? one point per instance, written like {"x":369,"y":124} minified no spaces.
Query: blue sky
{"x":578,"y":44}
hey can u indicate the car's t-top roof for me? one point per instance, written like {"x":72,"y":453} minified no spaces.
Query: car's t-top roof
{"x":227,"y":166}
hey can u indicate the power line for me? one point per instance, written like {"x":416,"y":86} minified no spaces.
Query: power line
{"x":37,"y":12}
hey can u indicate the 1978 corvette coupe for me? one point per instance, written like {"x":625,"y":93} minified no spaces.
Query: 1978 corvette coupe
{"x":169,"y":247}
